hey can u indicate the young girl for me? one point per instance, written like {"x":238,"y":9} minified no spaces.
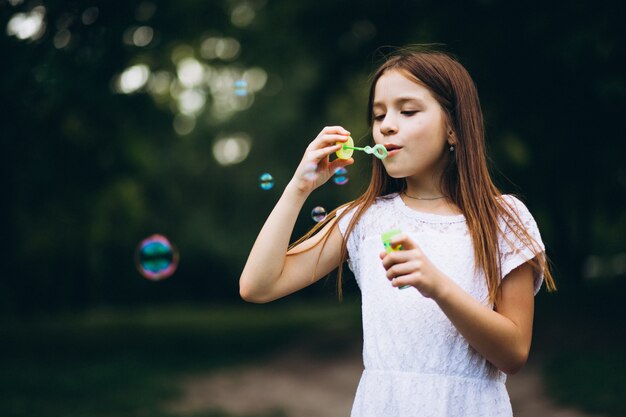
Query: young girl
{"x":473,"y":258}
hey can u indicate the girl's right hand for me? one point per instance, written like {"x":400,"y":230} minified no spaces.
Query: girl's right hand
{"x":316,"y":168}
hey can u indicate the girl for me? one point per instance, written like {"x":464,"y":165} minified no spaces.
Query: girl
{"x":473,"y":258}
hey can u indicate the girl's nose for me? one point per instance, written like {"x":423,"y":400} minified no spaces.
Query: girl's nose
{"x":388,"y":126}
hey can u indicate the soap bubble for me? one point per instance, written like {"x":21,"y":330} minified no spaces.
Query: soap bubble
{"x":156,"y":258}
{"x":318,"y":214}
{"x":241,"y":88}
{"x":266,"y":181}
{"x":341,"y":176}
{"x":310,"y":172}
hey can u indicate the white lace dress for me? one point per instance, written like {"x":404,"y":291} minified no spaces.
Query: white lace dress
{"x":416,"y":362}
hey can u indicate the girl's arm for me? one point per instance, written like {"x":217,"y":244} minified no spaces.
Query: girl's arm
{"x":502,"y":336}
{"x":269,"y":273}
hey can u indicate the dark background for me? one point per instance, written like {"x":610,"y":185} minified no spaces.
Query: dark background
{"x":88,"y":171}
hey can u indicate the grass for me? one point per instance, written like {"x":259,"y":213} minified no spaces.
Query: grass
{"x":128,"y":363}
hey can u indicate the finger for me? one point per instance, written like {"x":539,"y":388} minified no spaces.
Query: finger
{"x":335,"y":129}
{"x":404,"y":240}
{"x":398,"y":257}
{"x":400,"y":282}
{"x":326,"y":140}
{"x":319,"y":154}
{"x":402,"y":269}
{"x":340,"y":163}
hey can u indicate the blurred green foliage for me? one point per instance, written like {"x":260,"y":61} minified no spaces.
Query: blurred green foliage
{"x":89,"y":172}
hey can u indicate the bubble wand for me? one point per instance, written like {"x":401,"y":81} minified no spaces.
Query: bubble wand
{"x":346,"y":151}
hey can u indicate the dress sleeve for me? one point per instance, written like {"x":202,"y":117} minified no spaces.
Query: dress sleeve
{"x":343,"y":224}
{"x":516,"y":250}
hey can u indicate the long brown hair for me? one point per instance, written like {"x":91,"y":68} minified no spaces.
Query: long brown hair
{"x":466,"y":179}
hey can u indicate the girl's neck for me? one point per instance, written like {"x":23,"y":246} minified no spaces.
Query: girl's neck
{"x":424,"y":190}
{"x":433,"y":204}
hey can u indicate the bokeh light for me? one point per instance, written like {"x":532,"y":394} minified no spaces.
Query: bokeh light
{"x":242,"y":15}
{"x":183,"y":124}
{"x":156,"y":258}
{"x":139,"y":36}
{"x":143,"y":35}
{"x":133,"y":78}
{"x":159,"y":83}
{"x":256,"y":78}
{"x":28,"y":25}
{"x":62,"y":39}
{"x":191,"y":101}
{"x":214,"y":47}
{"x":232,"y":149}
{"x":90,"y":15}
{"x":145,"y":11}
{"x":190,"y":72}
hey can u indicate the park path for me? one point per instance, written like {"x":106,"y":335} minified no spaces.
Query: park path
{"x":307,"y":385}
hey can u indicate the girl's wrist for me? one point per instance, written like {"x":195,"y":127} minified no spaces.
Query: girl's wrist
{"x":442,"y":290}
{"x":297,"y":190}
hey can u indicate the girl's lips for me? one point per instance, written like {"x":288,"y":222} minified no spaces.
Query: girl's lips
{"x":392,"y":149}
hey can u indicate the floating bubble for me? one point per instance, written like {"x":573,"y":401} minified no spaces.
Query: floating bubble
{"x":241,"y":88}
{"x":318,"y":214}
{"x":266,"y":181}
{"x":341,"y":176}
{"x":310,"y":172}
{"x":156,"y":258}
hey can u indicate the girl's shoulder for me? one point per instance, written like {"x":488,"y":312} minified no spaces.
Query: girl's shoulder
{"x":516,"y":217}
{"x":514,"y":207}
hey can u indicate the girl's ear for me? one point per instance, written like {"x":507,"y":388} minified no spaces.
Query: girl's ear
{"x":451,"y":139}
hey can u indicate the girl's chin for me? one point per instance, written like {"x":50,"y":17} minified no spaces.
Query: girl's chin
{"x":395,"y":173}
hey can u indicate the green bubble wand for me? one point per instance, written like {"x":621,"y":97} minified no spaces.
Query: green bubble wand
{"x":379,"y":151}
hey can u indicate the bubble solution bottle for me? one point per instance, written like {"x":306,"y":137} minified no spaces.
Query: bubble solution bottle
{"x":386,"y":237}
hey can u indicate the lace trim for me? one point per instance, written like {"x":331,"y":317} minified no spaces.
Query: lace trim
{"x":422,"y":216}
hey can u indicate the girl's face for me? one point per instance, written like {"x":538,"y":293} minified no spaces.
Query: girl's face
{"x":411,"y":124}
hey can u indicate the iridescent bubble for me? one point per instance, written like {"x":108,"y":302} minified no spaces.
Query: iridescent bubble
{"x":266,"y":181}
{"x":156,"y":258}
{"x":310,"y":172}
{"x":341,"y":176}
{"x":318,"y":214}
{"x":241,"y":88}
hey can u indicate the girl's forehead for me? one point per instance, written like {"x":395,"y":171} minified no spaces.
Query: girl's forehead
{"x":393,"y":84}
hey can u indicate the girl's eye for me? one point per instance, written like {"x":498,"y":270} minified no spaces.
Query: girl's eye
{"x":379,"y":117}
{"x":409,"y":112}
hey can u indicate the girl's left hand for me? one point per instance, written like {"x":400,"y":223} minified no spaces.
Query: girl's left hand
{"x":410,"y":266}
